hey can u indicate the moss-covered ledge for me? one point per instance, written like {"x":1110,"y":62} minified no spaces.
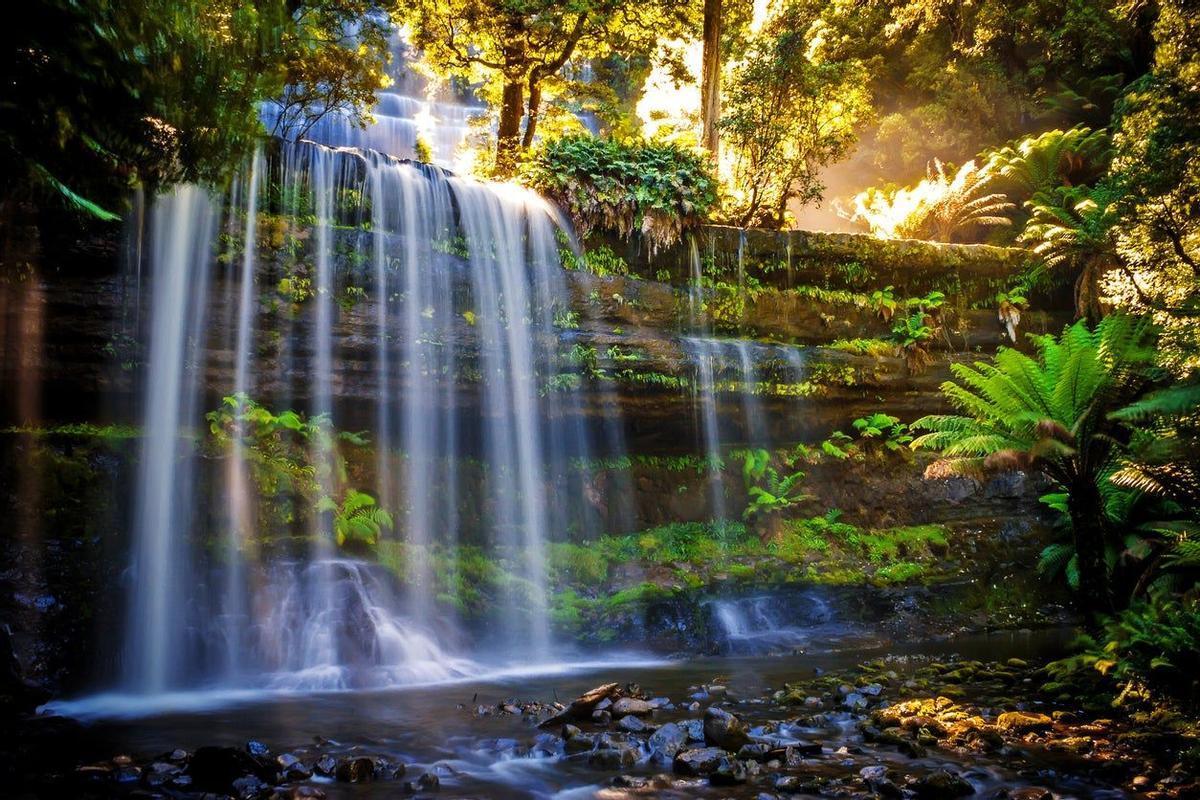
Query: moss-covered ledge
{"x":838,"y":261}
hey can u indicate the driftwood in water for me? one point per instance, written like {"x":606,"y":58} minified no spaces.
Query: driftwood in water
{"x":581,"y":707}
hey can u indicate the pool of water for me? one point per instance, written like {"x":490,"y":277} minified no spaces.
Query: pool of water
{"x":436,"y":727}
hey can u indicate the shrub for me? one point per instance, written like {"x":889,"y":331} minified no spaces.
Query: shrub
{"x":603,"y":184}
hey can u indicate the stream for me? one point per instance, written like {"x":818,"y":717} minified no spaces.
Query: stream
{"x":459,"y":731}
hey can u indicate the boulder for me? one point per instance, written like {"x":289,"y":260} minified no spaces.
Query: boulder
{"x":616,"y":756}
{"x":1023,"y":721}
{"x":631,"y":705}
{"x":701,"y":761}
{"x":214,"y":769}
{"x":355,"y":770}
{"x":942,"y":785}
{"x":326,"y":766}
{"x":668,"y":740}
{"x":631,"y":724}
{"x":722,"y":729}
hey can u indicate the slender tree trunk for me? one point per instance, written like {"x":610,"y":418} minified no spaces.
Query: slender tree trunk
{"x":1086,"y":509}
{"x":508,"y":141}
{"x":710,"y":83}
{"x":531,"y":120}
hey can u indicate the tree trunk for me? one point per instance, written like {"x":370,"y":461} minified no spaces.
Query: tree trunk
{"x":508,"y":140}
{"x":531,"y":119}
{"x":710,"y":82}
{"x":1095,"y":593}
{"x":770,"y":527}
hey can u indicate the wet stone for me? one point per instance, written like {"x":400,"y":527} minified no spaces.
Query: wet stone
{"x":291,"y":768}
{"x":754,"y":752}
{"x":701,"y":761}
{"x":729,"y":773}
{"x":326,"y":765}
{"x":631,"y":724}
{"x":722,"y":729}
{"x":616,"y":756}
{"x":668,"y":740}
{"x":942,"y":785}
{"x":257,"y":749}
{"x":250,"y":787}
{"x":630,"y":705}
{"x":356,"y":770}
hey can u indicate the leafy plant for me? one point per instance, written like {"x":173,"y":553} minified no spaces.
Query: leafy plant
{"x":770,"y":493}
{"x":1154,"y":645}
{"x":912,"y":336}
{"x":1069,"y":229}
{"x":884,"y":302}
{"x":1051,"y":414}
{"x":658,"y":189}
{"x":940,"y":207}
{"x":883,"y":428}
{"x":1051,"y":159}
{"x":357,"y":519}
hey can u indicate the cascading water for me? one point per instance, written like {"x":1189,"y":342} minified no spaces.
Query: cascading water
{"x":182,"y":235}
{"x":773,"y":623}
{"x":461,"y":279}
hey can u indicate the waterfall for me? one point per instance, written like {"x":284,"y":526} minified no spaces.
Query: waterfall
{"x":182,"y":234}
{"x":773,"y":623}
{"x":444,"y":292}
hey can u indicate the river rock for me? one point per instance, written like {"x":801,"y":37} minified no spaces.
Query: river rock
{"x":668,"y":740}
{"x":428,"y":782}
{"x":618,"y":755}
{"x":291,"y":768}
{"x":631,"y":724}
{"x":1022,"y":721}
{"x":755,"y":751}
{"x":257,"y":749}
{"x":854,"y":701}
{"x":701,"y":761}
{"x":601,"y":717}
{"x":630,"y":705}
{"x":214,"y":769}
{"x":355,"y":770}
{"x":730,"y":773}
{"x":250,"y":787}
{"x":722,"y":729}
{"x":575,"y":740}
{"x":942,"y":785}
{"x":326,"y":766}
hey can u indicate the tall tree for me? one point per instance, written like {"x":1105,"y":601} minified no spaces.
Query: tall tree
{"x":516,"y":47}
{"x":710,"y":81}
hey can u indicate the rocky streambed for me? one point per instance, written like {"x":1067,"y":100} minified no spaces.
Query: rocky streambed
{"x":943,"y":723}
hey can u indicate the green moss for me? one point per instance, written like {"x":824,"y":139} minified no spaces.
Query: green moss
{"x":864,"y":347}
{"x":80,"y":429}
{"x":900,"y":572}
{"x":580,"y":564}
